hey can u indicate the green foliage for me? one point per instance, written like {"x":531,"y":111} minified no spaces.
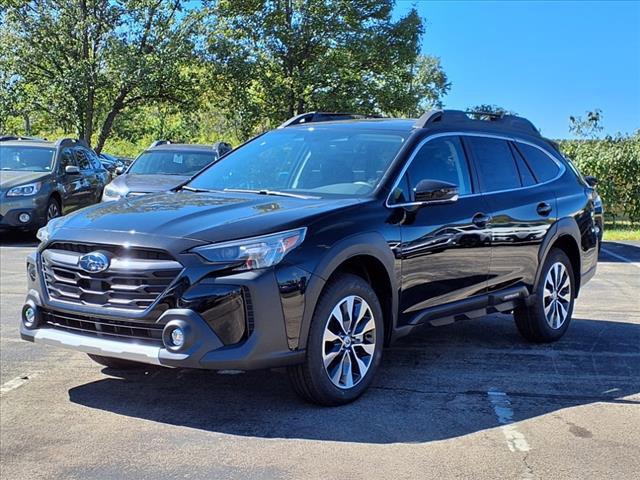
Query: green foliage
{"x":273,"y":59}
{"x":81,"y":64}
{"x":485,"y":111}
{"x":615,"y":162}
{"x":589,"y":127}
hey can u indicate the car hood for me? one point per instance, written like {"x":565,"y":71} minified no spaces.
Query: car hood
{"x":206,"y":217}
{"x":138,"y":183}
{"x":14,"y":178}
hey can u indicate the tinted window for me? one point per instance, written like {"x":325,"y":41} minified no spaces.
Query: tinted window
{"x":172,"y":162}
{"x":95,"y":161}
{"x":542,"y":165}
{"x":319,"y":159}
{"x":67,"y":159}
{"x":526,"y":175}
{"x":439,"y":159}
{"x":23,"y":158}
{"x":82,"y":158}
{"x":495,"y":164}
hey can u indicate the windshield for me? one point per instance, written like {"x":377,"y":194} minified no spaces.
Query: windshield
{"x":32,"y":159}
{"x":315,"y":159}
{"x":172,"y":162}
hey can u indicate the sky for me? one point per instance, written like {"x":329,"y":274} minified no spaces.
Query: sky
{"x":545,"y":60}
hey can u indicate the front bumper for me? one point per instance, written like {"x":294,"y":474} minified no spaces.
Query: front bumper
{"x":12,"y":207}
{"x":211,"y":341}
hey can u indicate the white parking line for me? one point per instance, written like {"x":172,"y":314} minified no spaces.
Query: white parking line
{"x":15,"y":383}
{"x":620,"y":257}
{"x":502,"y":407}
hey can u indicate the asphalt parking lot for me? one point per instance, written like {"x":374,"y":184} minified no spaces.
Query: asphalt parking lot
{"x":469,"y":400}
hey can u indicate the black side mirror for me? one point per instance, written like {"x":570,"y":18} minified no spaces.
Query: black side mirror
{"x":435,"y":191}
{"x":71,"y":170}
{"x":119,"y":170}
{"x":591,"y":180}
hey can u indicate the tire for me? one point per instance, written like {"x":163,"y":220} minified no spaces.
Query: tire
{"x":116,"y":363}
{"x":348,"y":349}
{"x":548,"y":318}
{"x":53,"y":210}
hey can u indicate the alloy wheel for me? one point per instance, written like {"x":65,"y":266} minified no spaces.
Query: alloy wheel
{"x":52,"y":211}
{"x":349,"y":342}
{"x":556,"y":297}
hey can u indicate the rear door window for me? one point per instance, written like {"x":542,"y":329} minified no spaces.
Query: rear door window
{"x":495,"y":164}
{"x":82,"y":158}
{"x":543,"y":166}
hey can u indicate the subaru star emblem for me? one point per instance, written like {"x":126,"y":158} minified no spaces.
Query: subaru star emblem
{"x":94,"y":262}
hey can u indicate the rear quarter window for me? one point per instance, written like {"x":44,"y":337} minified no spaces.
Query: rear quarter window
{"x":542,"y":165}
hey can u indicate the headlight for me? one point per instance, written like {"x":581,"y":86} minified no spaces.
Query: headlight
{"x":111,"y":193}
{"x":25,"y":190}
{"x":252,"y":253}
{"x":44,"y":233}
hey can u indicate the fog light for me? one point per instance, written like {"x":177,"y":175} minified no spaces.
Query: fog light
{"x":24,"y":218}
{"x":29,"y":316}
{"x":177,"y":337}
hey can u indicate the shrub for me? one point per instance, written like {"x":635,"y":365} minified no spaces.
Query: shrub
{"x":615,"y":162}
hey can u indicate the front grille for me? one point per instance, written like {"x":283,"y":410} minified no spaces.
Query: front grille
{"x":116,"y":250}
{"x":100,"y":327}
{"x":129,"y":283}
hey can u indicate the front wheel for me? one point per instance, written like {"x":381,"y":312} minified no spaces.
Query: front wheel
{"x":344,"y":347}
{"x":548,"y":318}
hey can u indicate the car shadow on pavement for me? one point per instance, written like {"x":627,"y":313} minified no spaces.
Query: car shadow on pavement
{"x":432,"y":386}
{"x":10,"y":238}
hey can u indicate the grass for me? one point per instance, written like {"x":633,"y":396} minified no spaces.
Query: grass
{"x":621,"y":230}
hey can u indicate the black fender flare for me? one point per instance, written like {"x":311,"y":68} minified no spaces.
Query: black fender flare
{"x":368,"y":243}
{"x":563,"y":227}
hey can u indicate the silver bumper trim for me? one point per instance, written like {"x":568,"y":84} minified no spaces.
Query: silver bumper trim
{"x":98,"y":346}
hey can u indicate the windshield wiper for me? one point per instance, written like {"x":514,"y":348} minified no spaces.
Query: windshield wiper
{"x":270,"y":192}
{"x":197,"y":190}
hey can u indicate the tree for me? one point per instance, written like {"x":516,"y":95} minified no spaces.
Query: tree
{"x":88,"y":60}
{"x":272,"y":59}
{"x":485,"y":111}
{"x":589,"y":127}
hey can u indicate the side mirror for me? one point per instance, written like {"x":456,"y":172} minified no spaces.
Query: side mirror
{"x":591,"y":180}
{"x":71,"y":170}
{"x":119,"y":170}
{"x":435,"y":191}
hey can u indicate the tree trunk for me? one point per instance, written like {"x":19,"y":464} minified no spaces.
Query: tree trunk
{"x":27,"y":123}
{"x":105,"y":131}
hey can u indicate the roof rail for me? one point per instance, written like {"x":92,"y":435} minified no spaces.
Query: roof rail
{"x":449,"y":117}
{"x":66,"y":141}
{"x":160,"y":142}
{"x":314,"y":117}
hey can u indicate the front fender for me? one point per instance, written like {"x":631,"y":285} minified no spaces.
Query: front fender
{"x":369,"y":243}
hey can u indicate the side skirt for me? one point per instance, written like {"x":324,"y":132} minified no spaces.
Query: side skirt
{"x":478,"y":306}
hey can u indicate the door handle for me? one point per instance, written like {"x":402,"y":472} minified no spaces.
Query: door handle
{"x":544,"y":209}
{"x":481,"y":219}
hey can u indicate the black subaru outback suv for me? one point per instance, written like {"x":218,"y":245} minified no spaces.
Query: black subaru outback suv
{"x":314,"y":245}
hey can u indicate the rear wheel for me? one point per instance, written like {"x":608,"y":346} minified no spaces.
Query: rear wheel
{"x":548,"y":318}
{"x":344,"y":347}
{"x":116,"y":363}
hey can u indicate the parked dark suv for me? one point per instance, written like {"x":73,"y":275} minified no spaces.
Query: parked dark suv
{"x":41,"y":180}
{"x":163,"y":166}
{"x":314,"y":245}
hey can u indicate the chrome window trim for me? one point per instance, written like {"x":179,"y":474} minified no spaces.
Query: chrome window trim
{"x":561,"y":166}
